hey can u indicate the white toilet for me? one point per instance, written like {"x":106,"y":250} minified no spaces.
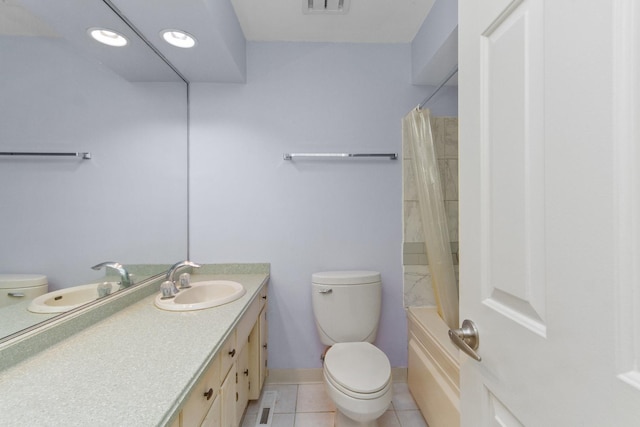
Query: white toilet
{"x":15,"y":288}
{"x":357,"y":375}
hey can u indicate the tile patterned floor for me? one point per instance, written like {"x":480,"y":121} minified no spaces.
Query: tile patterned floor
{"x":307,"y":405}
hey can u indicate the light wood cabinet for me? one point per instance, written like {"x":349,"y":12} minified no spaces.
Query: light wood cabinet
{"x":242,"y":381}
{"x":235,"y":376}
{"x":258,"y":356}
{"x":263,"y":332}
{"x":202,"y":396}
{"x":228,"y":400}
{"x":228,"y":354}
{"x":214,"y":415}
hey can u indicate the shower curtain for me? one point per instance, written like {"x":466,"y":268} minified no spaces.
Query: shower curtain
{"x":416,"y":134}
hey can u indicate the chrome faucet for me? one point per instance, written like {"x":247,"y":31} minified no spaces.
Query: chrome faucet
{"x":172,"y":271}
{"x":125,"y":279}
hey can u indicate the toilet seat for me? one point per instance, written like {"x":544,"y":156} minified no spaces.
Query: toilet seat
{"x":358,"y":369}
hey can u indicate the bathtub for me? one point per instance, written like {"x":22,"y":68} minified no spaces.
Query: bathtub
{"x":433,"y":374}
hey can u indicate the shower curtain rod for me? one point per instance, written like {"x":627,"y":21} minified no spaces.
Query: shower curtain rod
{"x":446,"y":79}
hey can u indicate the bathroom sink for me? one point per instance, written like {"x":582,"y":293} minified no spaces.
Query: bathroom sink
{"x":201,"y":295}
{"x":67,"y":299}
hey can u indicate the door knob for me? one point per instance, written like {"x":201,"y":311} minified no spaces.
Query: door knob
{"x":466,"y":338}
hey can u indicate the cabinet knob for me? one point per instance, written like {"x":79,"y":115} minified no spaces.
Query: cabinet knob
{"x":264,"y":346}
{"x":232,"y":352}
{"x":264,"y":297}
{"x":246,"y":372}
{"x":208,"y":394}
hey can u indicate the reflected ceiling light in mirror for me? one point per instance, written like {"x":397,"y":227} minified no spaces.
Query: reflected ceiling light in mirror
{"x":178,"y":38}
{"x":108,"y":37}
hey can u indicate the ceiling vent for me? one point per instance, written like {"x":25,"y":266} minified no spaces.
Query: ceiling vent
{"x":329,"y":7}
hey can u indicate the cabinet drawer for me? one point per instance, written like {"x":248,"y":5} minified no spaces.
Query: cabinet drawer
{"x":246,"y":323}
{"x":263,"y":297}
{"x":228,"y":354}
{"x":202,"y":396}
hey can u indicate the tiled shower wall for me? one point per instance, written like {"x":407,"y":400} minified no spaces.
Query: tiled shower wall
{"x":417,"y":278}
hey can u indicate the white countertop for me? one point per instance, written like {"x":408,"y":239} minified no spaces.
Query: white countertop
{"x":134,"y":368}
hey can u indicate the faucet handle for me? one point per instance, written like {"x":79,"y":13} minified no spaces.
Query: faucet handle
{"x":185,"y":281}
{"x":104,"y":289}
{"x":168,"y":289}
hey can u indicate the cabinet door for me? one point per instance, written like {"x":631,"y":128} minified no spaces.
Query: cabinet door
{"x":254,"y":362}
{"x":242,"y":383}
{"x":228,"y":399}
{"x":228,"y":354}
{"x":202,"y":396}
{"x":264,"y":338}
{"x":213,"y":418}
{"x":258,"y":356}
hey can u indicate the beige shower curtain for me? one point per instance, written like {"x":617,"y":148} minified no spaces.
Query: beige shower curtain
{"x":416,"y":134}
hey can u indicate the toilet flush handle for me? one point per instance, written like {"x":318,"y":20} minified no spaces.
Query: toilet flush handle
{"x":325,"y":290}
{"x":16,"y":294}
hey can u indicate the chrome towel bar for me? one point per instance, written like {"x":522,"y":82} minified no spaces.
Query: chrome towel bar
{"x":291,"y":156}
{"x":27,"y":153}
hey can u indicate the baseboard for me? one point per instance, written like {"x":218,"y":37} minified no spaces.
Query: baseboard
{"x":314,"y":375}
{"x":294,"y":376}
{"x":399,"y":375}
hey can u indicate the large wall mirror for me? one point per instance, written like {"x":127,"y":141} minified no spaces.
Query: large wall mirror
{"x":128,"y":203}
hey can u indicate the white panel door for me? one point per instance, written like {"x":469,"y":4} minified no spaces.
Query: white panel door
{"x":550,"y":211}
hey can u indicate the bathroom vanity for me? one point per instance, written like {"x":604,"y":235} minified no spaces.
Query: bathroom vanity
{"x":143,"y":366}
{"x":235,"y":376}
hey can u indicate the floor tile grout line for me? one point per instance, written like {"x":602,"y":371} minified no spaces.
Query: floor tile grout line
{"x":293,"y":396}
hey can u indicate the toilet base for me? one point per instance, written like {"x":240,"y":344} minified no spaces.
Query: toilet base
{"x":342,"y":420}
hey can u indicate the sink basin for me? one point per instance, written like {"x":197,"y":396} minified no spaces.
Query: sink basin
{"x":67,"y":299}
{"x":201,"y":295}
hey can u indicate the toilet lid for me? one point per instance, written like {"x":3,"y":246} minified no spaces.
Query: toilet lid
{"x":13,"y":281}
{"x":358,"y":366}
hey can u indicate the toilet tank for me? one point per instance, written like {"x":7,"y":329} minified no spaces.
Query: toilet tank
{"x":346,"y":305}
{"x":15,"y":288}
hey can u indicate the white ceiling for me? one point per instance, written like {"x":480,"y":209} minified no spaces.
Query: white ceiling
{"x":15,"y":20}
{"x":367,"y":21}
{"x":220,"y":54}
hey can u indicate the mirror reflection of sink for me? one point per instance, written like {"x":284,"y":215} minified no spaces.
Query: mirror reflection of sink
{"x":67,"y":299}
{"x":201,"y":295}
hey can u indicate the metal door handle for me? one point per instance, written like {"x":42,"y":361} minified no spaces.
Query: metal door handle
{"x":325,"y":291}
{"x":466,"y":338}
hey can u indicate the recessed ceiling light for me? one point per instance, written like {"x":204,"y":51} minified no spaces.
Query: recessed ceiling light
{"x":108,"y":37}
{"x":178,"y":38}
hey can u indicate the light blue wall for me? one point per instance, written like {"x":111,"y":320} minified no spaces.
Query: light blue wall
{"x":60,"y":216}
{"x":434,"y":50}
{"x":249,"y":205}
